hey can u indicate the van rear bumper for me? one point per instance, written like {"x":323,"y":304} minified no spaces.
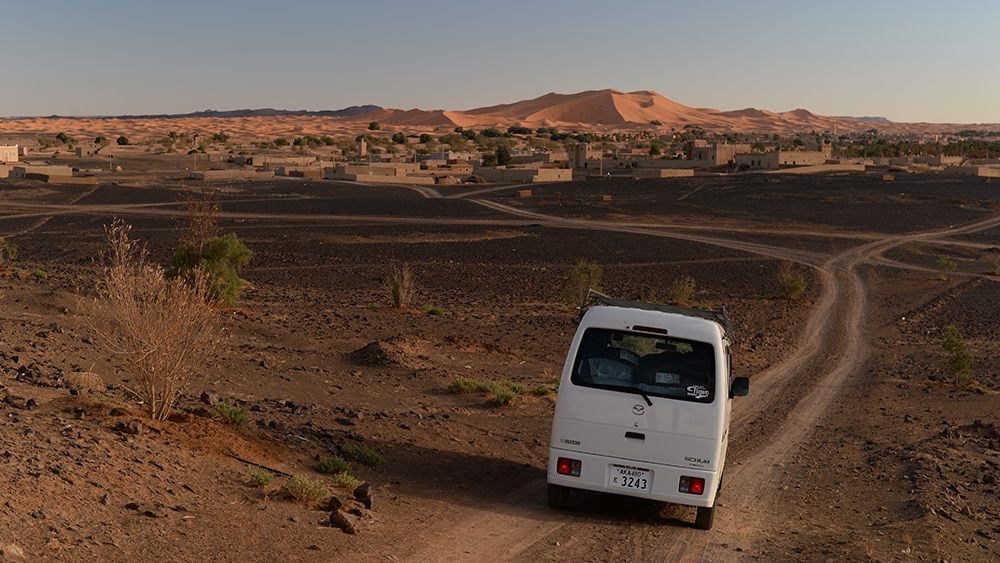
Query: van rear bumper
{"x":594,"y":472}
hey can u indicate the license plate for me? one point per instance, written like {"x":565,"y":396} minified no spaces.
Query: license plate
{"x":630,"y":478}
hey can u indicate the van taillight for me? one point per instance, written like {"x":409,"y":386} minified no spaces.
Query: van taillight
{"x":692,"y":485}
{"x":566,"y":466}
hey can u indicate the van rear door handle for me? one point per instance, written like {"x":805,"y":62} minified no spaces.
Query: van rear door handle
{"x":635,"y":435}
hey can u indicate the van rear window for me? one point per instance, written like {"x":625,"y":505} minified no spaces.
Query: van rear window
{"x":659,"y":366}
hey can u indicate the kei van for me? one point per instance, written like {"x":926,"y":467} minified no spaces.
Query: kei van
{"x":644,"y":405}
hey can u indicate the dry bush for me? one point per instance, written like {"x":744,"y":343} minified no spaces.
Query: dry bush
{"x":304,"y":489}
{"x":401,"y":286}
{"x":202,"y":222}
{"x":791,"y":282}
{"x":84,"y":381}
{"x":162,"y":331}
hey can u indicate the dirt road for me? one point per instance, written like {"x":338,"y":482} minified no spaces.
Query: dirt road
{"x":787,"y":402}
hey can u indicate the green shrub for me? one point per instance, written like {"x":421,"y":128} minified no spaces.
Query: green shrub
{"x":433,"y":310}
{"x":463,"y":385}
{"x":122,"y":141}
{"x":347,"y":481}
{"x":332,"y":464}
{"x":40,"y":274}
{"x":8,"y":250}
{"x":304,"y":489}
{"x":218,"y":262}
{"x":374,"y":126}
{"x":581,"y":277}
{"x":682,"y":290}
{"x":503,"y":156}
{"x":362,"y":454}
{"x":791,"y":282}
{"x":541,"y":390}
{"x":232,"y":413}
{"x":258,"y":476}
{"x":501,"y":397}
{"x":946,"y":265}
{"x":501,"y":392}
{"x":959,"y":362}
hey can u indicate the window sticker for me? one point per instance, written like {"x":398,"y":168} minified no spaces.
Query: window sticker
{"x":667,"y":378}
{"x":697,"y":391}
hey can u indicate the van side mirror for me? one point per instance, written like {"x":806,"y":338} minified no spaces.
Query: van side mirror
{"x":740,"y":387}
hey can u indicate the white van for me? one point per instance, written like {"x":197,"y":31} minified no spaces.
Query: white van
{"x":644,"y":405}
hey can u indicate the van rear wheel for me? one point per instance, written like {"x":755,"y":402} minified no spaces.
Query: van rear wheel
{"x":705,"y":518}
{"x":558,"y":496}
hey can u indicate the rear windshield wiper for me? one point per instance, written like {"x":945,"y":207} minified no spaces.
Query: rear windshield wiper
{"x":645,"y":396}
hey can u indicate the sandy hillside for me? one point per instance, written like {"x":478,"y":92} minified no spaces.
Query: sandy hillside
{"x":595,"y":110}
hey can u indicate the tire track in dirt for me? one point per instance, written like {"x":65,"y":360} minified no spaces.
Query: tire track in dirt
{"x":43,"y":219}
{"x":838,"y":319}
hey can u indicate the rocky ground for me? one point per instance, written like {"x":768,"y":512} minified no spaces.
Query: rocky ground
{"x":902,"y":466}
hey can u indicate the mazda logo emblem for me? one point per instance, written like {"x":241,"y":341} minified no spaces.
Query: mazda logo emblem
{"x":639,"y":410}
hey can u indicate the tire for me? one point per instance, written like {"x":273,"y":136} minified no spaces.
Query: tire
{"x":558,"y":496}
{"x":705,"y":518}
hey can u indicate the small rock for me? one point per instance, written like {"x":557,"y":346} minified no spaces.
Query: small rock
{"x":340,"y":520}
{"x":103,"y":499}
{"x":210,"y":397}
{"x":334,"y":504}
{"x":363,"y":490}
{"x":132,"y":427}
{"x":132,"y":506}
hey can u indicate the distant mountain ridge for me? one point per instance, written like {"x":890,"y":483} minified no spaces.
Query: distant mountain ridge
{"x":351,"y":111}
{"x":606,"y":109}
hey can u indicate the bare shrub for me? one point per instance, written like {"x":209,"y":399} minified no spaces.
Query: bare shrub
{"x":84,"y":381}
{"x":202,"y":222}
{"x":791,"y":281}
{"x":401,"y":286}
{"x":162,"y":331}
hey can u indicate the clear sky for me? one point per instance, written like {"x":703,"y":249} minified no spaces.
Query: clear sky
{"x":909,"y":60}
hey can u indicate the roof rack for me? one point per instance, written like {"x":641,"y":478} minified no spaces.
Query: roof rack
{"x":597,"y":298}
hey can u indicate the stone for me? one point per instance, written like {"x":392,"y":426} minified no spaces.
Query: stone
{"x":210,"y":397}
{"x":340,"y":520}
{"x":363,"y":490}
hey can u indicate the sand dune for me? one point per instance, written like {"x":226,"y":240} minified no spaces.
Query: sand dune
{"x":599,"y":110}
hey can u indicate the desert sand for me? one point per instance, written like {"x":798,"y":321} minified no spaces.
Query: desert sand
{"x":596,"y":110}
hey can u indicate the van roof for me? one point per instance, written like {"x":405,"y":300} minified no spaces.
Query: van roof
{"x":596,"y":298}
